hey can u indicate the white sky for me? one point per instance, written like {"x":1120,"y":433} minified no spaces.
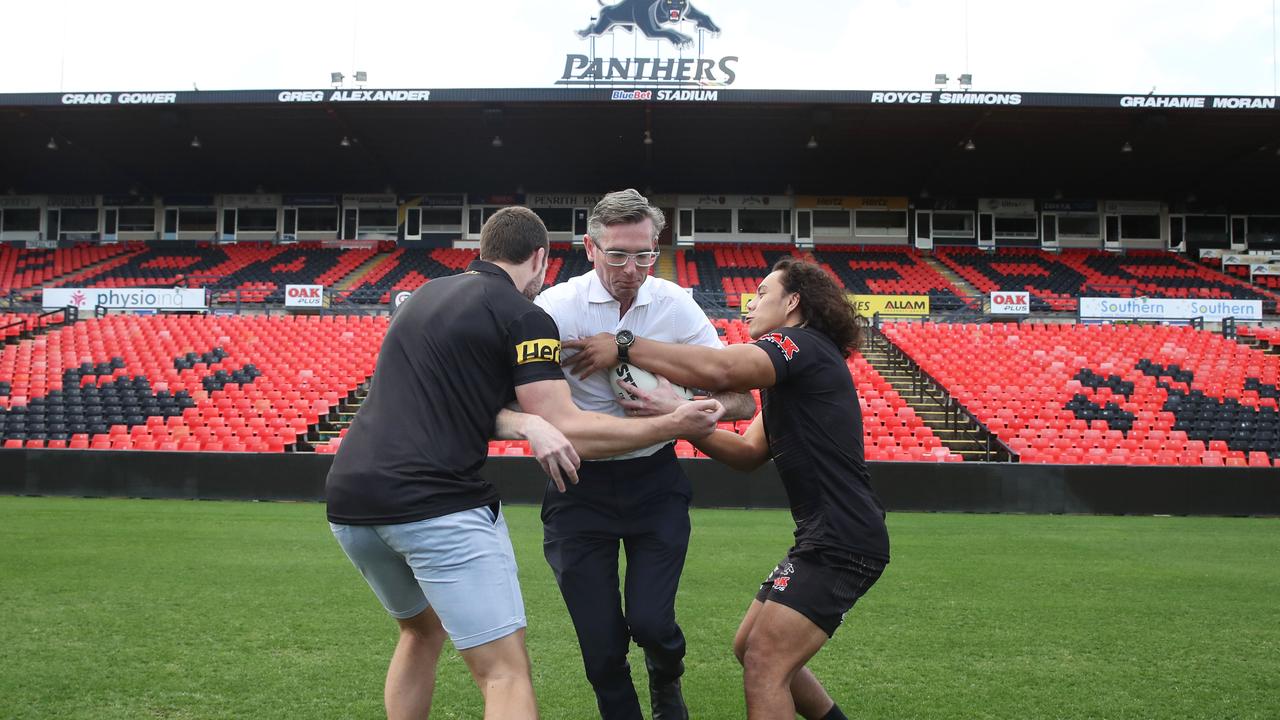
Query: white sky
{"x":1111,"y":46}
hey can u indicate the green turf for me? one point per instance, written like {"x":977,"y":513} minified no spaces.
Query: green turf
{"x":156,"y":609}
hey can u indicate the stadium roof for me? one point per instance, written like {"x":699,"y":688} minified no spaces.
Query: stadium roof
{"x":1223,"y":151}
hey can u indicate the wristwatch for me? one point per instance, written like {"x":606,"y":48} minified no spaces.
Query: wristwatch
{"x":624,"y":338}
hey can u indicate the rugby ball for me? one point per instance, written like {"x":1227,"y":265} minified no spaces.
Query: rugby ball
{"x":643,"y":379}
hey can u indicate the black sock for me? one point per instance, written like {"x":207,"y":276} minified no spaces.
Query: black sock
{"x":834,"y":714}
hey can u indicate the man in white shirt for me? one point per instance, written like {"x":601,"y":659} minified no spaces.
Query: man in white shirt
{"x":640,"y":499}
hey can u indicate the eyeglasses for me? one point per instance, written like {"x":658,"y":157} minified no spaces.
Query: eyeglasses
{"x":617,"y":258}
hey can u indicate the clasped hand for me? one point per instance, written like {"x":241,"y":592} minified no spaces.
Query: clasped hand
{"x":593,"y":354}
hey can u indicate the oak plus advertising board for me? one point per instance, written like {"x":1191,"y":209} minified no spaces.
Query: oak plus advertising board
{"x":303,"y":296}
{"x":1010,"y":303}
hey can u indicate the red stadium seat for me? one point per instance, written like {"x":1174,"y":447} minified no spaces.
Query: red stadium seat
{"x":1089,"y":394}
{"x":177,"y":358}
{"x":1052,"y":392}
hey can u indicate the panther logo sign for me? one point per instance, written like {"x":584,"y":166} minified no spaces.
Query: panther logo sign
{"x":649,"y":16}
{"x":1201,"y":416}
{"x":125,"y":399}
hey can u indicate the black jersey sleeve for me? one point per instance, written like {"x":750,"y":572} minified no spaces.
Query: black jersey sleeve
{"x":534,"y":342}
{"x":783,"y":347}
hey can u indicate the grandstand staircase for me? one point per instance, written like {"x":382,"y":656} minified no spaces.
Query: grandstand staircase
{"x":952,"y":277}
{"x":666,"y":268}
{"x":353,"y":278}
{"x":955,"y":428}
{"x":1259,"y":344}
{"x":332,"y":425}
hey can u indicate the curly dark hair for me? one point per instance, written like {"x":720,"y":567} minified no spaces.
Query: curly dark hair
{"x":823,"y":303}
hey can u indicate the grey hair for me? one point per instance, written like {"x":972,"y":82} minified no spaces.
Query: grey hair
{"x":624,"y":207}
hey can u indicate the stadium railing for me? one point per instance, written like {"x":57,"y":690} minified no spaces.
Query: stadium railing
{"x":957,"y":417}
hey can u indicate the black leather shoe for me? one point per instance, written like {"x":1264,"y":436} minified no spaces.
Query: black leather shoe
{"x":665,"y":697}
{"x":667,"y":701}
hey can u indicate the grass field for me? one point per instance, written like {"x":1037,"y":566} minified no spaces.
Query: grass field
{"x":157,"y":609}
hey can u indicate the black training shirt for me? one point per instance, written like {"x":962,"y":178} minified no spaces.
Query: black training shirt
{"x":452,"y":357}
{"x":814,"y":426}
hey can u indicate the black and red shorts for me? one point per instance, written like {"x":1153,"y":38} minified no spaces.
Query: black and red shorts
{"x":821,"y":583}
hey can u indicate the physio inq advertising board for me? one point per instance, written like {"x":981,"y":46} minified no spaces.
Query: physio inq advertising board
{"x":125,"y":298}
{"x":1011,"y":303}
{"x":869,"y":305}
{"x":1212,"y":310}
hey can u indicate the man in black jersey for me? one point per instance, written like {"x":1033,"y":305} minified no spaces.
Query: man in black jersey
{"x":811,"y":426}
{"x":405,"y":498}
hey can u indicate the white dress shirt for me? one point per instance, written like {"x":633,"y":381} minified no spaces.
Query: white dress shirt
{"x":662,"y":311}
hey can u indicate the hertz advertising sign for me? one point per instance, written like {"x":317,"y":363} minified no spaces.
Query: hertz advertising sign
{"x":869,"y":305}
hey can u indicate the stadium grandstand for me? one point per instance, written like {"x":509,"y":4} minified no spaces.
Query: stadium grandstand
{"x":1066,"y":280}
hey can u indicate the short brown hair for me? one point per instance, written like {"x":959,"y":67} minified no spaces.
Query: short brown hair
{"x":624,"y":207}
{"x":512,"y":235}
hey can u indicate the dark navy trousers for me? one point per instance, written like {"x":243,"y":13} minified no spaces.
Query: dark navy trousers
{"x":641,"y":505}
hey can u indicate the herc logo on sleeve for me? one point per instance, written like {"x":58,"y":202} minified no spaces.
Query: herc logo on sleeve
{"x":784,"y":343}
{"x":542,"y":350}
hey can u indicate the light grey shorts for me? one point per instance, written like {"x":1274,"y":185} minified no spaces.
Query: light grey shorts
{"x":460,"y":565}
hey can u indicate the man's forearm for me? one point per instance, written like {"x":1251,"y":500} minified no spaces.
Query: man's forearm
{"x":737,"y":405}
{"x":688,"y":365}
{"x":510,"y":425}
{"x":594,"y":435}
{"x":732,"y":450}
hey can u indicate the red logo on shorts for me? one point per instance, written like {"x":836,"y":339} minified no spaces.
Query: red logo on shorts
{"x":788,"y":347}
{"x":780,"y":583}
